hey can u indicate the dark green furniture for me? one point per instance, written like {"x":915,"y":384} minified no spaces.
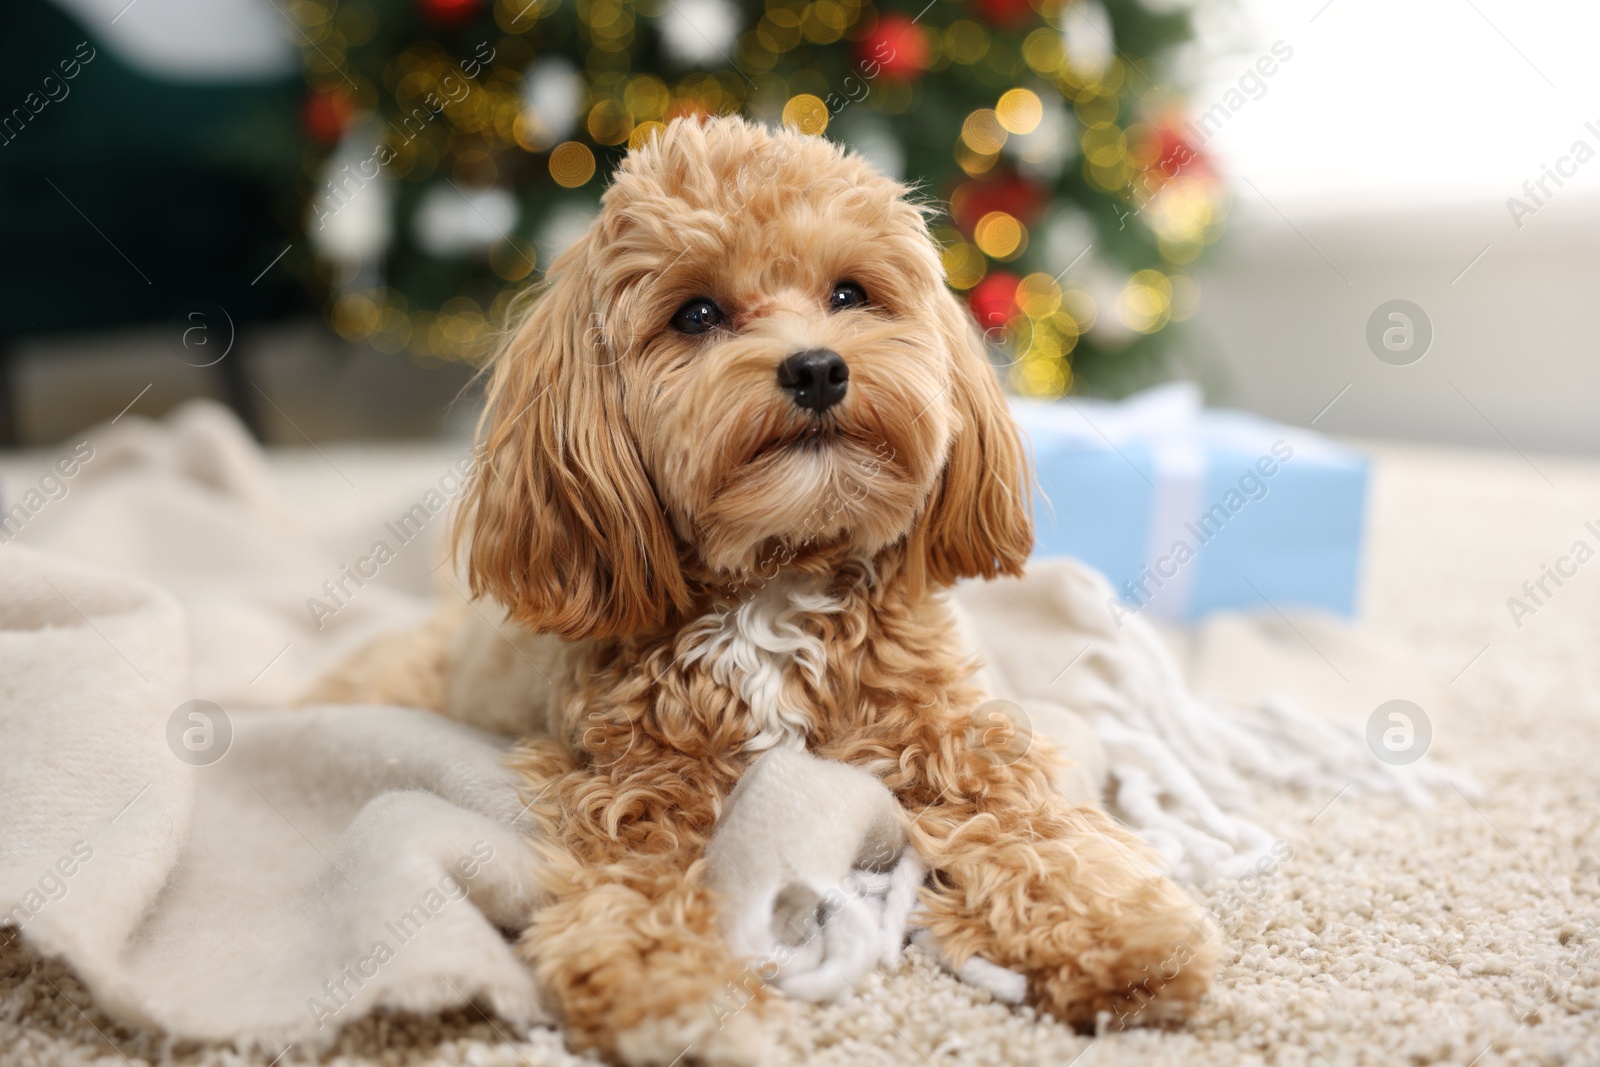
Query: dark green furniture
{"x":130,"y":197}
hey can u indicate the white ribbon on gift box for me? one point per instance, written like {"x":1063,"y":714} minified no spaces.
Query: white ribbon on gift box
{"x":1170,"y":424}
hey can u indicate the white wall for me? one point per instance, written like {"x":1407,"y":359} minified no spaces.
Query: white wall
{"x":1515,"y":358}
{"x":1377,"y":163}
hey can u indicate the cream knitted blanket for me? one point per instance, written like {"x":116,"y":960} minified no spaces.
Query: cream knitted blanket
{"x":223,"y":868}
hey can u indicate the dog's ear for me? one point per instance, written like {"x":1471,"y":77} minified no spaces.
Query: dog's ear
{"x":978,"y":522}
{"x":561,"y":523}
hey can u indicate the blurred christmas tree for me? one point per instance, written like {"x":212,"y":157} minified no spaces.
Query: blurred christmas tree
{"x":457,"y":145}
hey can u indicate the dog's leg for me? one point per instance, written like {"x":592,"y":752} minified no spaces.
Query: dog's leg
{"x":1059,"y":892}
{"x":626,"y":945}
{"x":408,"y":667}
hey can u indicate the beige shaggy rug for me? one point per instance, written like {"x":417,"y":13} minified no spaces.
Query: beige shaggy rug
{"x":1462,"y":934}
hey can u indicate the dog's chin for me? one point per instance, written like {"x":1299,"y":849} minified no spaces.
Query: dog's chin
{"x":816,"y":490}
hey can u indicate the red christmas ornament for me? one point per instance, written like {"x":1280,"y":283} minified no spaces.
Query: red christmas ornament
{"x":447,"y":12}
{"x":994,"y":300}
{"x":325,"y":114}
{"x":1021,"y":199}
{"x":1174,"y":154}
{"x":1007,"y":14}
{"x":895,"y":46}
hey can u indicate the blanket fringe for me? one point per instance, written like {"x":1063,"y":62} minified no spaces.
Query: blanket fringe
{"x":1180,"y":765}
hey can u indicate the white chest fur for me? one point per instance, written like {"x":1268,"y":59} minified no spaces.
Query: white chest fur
{"x":763,"y":650}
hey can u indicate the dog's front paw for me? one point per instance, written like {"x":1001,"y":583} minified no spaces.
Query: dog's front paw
{"x":1085,"y":918}
{"x":713,"y":1035}
{"x":1134,"y":945}
{"x":1137,"y":973}
{"x":675,"y":1018}
{"x":648,"y":982}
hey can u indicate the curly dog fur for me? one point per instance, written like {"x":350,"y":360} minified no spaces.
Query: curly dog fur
{"x":717,"y":567}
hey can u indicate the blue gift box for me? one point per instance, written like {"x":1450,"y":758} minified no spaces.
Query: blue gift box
{"x":1189,"y":510}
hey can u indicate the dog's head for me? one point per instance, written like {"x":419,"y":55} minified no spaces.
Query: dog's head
{"x":750,"y":355}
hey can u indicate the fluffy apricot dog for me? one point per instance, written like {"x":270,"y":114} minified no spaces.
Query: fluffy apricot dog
{"x":733,"y":456}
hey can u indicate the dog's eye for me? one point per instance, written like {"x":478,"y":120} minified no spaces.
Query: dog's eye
{"x":847,"y":295}
{"x":697,"y":316}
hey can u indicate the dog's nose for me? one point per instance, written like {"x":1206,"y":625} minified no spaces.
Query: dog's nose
{"x":816,"y":378}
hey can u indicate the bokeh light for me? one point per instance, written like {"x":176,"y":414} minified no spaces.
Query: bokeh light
{"x":1025,"y":131}
{"x":571,"y":164}
{"x":1145,"y":304}
{"x":999,"y":235}
{"x":806,"y":113}
{"x":983,"y":133}
{"x":1019,"y":111}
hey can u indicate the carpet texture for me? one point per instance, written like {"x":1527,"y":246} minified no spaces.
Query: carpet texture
{"x":1467,"y":933}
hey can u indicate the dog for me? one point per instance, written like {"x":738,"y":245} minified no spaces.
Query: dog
{"x":733,"y":455}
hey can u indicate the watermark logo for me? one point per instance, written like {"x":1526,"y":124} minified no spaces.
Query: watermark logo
{"x":340,"y":590}
{"x":1252,"y":485}
{"x":1537,"y":192}
{"x":1399,"y":332}
{"x":53,"y":485}
{"x":199,"y":733}
{"x":52,"y":89}
{"x":1002,"y":732}
{"x":1399,"y":733}
{"x":346,"y":185}
{"x":201,"y":333}
{"x":51,"y":886}
{"x":1251,"y":85}
{"x":1537,"y":592}
{"x":452,"y":886}
{"x":598,"y":345}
